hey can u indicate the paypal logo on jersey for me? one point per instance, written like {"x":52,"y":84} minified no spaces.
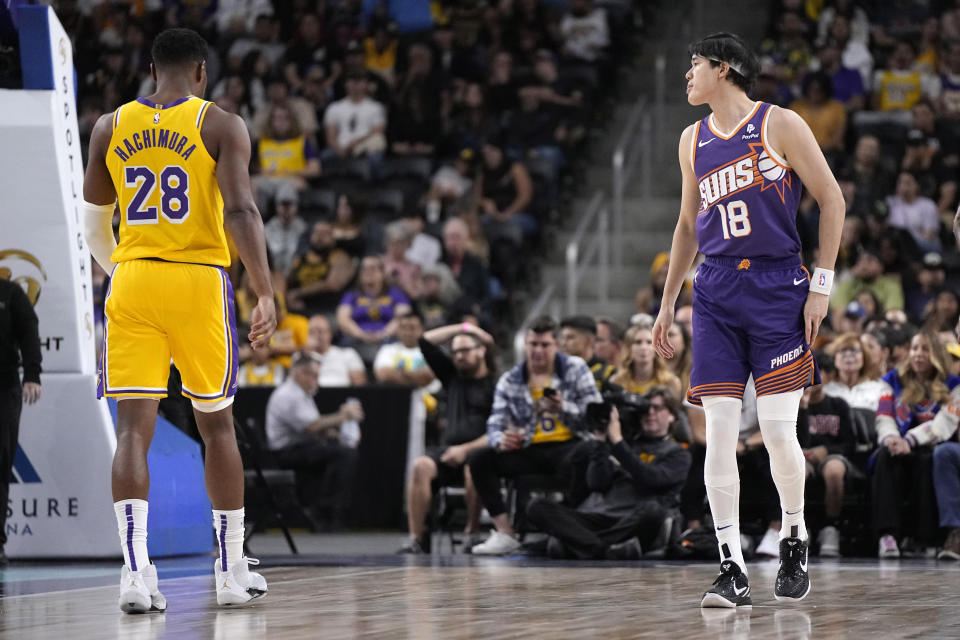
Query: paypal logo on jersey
{"x":23,"y":469}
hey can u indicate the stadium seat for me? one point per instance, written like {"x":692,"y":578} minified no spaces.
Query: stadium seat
{"x":318,"y":203}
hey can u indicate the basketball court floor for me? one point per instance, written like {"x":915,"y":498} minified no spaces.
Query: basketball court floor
{"x":371,"y":593}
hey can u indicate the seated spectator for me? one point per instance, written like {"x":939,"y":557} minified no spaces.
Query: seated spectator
{"x":398,"y":238}
{"x":367,"y":315}
{"x":527,"y":437}
{"x":402,"y":362}
{"x":584,"y":31}
{"x":648,"y":298}
{"x":356,"y":125}
{"x":504,"y":191}
{"x":320,"y":273}
{"x":900,"y":85}
{"x":916,"y":413}
{"x":871,"y":179}
{"x":915,"y":213}
{"x":450,"y":184}
{"x":501,"y":90}
{"x":877,"y":350}
{"x":303,"y":440}
{"x":641,"y":367}
{"x":682,"y":361}
{"x":853,"y":382}
{"x":284,"y":230}
{"x":283,"y":156}
{"x":469,"y":384}
{"x":629,"y":499}
{"x":949,"y":102}
{"x":339,"y":366}
{"x":578,"y":335}
{"x":471,"y":275}
{"x":439,"y":296}
{"x":788,"y":54}
{"x":847,"y":83}
{"x":942,"y":313}
{"x":826,"y":117}
{"x":855,"y":54}
{"x":413,"y":125}
{"x":684,"y":317}
{"x":306,"y":49}
{"x":931,"y":155}
{"x":380,"y":49}
{"x":348,"y":226}
{"x":867,"y":274}
{"x":828,"y":441}
{"x":535,"y":130}
{"x":278,"y":93}
{"x":355,"y":64}
{"x":930,"y":279}
{"x":289,"y":337}
{"x":260,"y":370}
{"x":609,"y":341}
{"x":425,"y":250}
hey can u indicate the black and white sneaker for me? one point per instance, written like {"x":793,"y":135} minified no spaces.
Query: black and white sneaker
{"x":793,"y":581}
{"x":730,"y":590}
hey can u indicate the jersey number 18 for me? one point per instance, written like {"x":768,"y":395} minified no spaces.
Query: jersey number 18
{"x":735,"y":219}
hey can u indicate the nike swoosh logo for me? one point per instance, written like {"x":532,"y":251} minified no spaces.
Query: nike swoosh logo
{"x":703,"y":144}
{"x":726,"y":527}
{"x":741,"y":590}
{"x":800,"y":281}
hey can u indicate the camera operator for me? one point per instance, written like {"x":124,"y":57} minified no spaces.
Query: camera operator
{"x":629,"y":497}
{"x":538,"y":406}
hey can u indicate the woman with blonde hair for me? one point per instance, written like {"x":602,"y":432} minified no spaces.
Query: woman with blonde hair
{"x":640,"y":367}
{"x":853,"y":382}
{"x":913,"y":416}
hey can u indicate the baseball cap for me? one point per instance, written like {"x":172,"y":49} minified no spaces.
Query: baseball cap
{"x":932,"y":260}
{"x":581,"y":323}
{"x":287,"y":193}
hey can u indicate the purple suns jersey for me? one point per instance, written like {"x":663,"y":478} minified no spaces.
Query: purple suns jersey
{"x":748,"y":196}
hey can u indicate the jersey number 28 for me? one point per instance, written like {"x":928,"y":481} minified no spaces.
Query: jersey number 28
{"x":735,"y":219}
{"x":174,"y":187}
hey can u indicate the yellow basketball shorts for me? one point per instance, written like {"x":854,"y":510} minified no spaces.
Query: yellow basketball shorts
{"x":156,"y":311}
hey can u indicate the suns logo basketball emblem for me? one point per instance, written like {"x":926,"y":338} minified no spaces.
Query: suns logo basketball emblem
{"x":768,"y":167}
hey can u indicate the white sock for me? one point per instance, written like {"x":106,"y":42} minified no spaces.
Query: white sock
{"x":777,"y":414}
{"x":132,"y":526}
{"x":720,"y":475}
{"x":229,"y":528}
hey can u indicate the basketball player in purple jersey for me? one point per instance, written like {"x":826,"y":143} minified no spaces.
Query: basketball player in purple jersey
{"x":755,"y":308}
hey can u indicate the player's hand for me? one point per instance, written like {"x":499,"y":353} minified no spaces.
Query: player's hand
{"x":814,"y":311}
{"x":31,"y":392}
{"x":263,"y":322}
{"x":660,"y":329}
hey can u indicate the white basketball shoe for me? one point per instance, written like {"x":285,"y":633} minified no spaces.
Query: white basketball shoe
{"x":139,"y":592}
{"x":239,"y":585}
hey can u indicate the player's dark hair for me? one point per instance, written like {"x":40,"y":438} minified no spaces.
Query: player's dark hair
{"x":178,"y":48}
{"x":583,"y":324}
{"x":820,"y":79}
{"x":544,"y":324}
{"x":729,"y":48}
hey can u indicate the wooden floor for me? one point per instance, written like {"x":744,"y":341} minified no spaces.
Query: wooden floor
{"x":460,"y":597}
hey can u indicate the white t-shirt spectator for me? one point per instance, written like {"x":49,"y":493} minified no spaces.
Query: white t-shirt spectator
{"x":283,"y":241}
{"x":863,"y":395}
{"x":289,"y":411}
{"x":354,"y":120}
{"x":919,"y":217}
{"x":336,"y":365}
{"x":585,"y":36}
{"x":425,"y":250}
{"x":396,"y":356}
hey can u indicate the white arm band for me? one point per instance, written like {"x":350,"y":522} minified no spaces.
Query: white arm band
{"x":822,"y":281}
{"x":98,"y":231}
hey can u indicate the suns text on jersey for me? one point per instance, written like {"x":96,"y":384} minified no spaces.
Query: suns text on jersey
{"x":729,"y":179}
{"x":155,"y":138}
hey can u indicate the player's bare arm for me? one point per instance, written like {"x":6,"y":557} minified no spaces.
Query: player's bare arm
{"x":225,"y":136}
{"x":956,"y":227}
{"x":684,"y":248}
{"x":792,"y":139}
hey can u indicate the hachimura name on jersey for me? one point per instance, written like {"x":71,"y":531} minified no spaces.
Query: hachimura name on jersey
{"x":748,"y":194}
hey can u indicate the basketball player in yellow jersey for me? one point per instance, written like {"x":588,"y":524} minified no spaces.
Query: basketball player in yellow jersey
{"x":177,"y":167}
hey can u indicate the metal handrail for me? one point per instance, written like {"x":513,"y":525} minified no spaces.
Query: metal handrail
{"x":537,"y":309}
{"x":580,"y":256}
{"x":624,"y":160}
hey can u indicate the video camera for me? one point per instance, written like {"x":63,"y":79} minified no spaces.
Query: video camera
{"x":632,"y":407}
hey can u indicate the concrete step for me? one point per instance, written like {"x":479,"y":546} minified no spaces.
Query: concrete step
{"x":624,"y":281}
{"x":636,"y":245}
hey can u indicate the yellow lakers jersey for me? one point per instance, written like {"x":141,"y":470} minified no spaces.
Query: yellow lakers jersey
{"x":550,"y":427}
{"x":166,"y":182}
{"x":282,"y":157}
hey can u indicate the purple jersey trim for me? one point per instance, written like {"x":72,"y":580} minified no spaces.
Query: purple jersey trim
{"x":128,"y":509}
{"x":154,"y":105}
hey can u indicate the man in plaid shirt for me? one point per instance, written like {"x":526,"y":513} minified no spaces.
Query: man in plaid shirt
{"x":538,"y":408}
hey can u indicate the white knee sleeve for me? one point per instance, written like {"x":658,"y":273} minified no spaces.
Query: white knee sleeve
{"x":778,"y":425}
{"x":723,"y":428}
{"x":212,"y":407}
